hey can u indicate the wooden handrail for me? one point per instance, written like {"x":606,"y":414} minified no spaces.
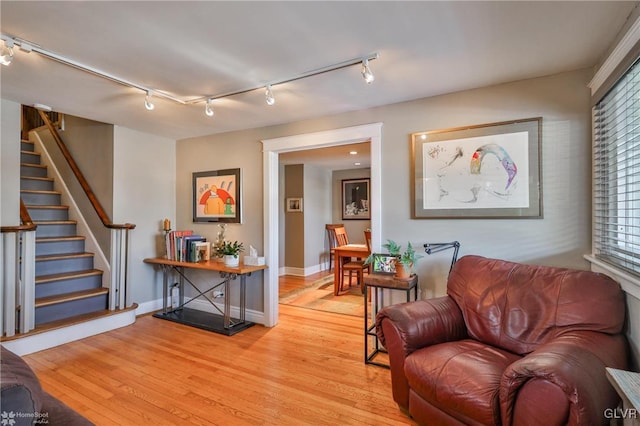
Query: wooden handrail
{"x":25,"y":219}
{"x":81,"y":179}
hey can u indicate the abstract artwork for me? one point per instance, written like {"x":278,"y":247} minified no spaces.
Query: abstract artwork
{"x":490,"y":170}
{"x":216,"y":196}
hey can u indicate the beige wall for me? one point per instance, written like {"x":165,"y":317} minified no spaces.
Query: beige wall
{"x":294,"y":221}
{"x":10,"y":113}
{"x":560,"y":238}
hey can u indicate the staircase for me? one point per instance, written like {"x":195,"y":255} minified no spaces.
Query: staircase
{"x":67,"y":286}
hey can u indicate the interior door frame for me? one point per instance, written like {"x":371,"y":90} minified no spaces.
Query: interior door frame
{"x":271,"y":150}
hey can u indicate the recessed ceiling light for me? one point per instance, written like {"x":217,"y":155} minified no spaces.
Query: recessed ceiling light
{"x":356,"y":164}
{"x":353,"y":152}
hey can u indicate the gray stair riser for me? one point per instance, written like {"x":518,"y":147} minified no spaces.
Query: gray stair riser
{"x":56,"y":230}
{"x":55,"y":288}
{"x":32,"y":158}
{"x":36,"y":184}
{"x":41,"y":199}
{"x":26,"y":146}
{"x":61,"y":266}
{"x":33,"y":171}
{"x":48,"y":214}
{"x":59,"y":247}
{"x":65,"y":310}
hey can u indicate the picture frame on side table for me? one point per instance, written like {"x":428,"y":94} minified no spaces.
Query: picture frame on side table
{"x":482,"y":171}
{"x":217,"y":196}
{"x":355,"y":199}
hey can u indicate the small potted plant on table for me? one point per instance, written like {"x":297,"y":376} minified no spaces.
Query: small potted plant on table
{"x":230,"y":252}
{"x":404,"y":259}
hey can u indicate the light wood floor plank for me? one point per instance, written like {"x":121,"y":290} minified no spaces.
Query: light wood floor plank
{"x":308,"y":370}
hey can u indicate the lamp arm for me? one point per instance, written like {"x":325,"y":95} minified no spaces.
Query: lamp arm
{"x":431,"y":248}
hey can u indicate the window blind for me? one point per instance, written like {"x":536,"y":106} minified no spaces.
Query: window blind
{"x":617,"y":173}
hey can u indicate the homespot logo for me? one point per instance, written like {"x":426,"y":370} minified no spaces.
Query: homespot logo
{"x":9,"y":419}
{"x":621,"y":413}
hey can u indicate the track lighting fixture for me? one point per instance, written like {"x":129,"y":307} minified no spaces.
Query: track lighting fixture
{"x":27,"y":46}
{"x":208,"y":108}
{"x":366,"y":72}
{"x":270,"y":99}
{"x":7,"y":52}
{"x":147,"y":101}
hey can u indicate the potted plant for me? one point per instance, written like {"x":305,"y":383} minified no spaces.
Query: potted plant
{"x":404,"y":259}
{"x":231,"y":251}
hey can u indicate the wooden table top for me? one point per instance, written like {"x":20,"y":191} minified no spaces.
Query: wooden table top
{"x":209,"y":265}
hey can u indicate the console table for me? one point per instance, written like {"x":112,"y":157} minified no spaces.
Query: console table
{"x":378,"y":283}
{"x":222,"y":323}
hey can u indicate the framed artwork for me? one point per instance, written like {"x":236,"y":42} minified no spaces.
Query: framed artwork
{"x":294,"y":204}
{"x":355,"y":199}
{"x":485,"y":171}
{"x":383,"y":264}
{"x":217,"y":196}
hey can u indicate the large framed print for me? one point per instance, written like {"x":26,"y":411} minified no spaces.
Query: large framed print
{"x":484,"y":171}
{"x":355,"y":199}
{"x":217,"y":196}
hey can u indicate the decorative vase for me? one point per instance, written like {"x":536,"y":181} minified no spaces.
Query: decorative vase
{"x":402,"y":271}
{"x":231,"y":260}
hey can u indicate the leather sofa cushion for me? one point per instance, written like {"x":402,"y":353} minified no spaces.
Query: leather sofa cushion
{"x":21,"y":391}
{"x":461,"y":378}
{"x":518,"y":307}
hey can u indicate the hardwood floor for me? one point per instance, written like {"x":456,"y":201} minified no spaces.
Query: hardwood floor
{"x":308,"y":370}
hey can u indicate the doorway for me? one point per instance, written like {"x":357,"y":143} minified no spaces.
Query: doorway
{"x":271,"y":151}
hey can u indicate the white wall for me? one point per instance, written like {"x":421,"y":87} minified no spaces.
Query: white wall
{"x":317,"y":213}
{"x":144,"y":193}
{"x":10,"y":113}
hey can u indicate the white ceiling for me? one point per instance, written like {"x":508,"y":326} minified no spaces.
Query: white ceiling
{"x":192,"y":49}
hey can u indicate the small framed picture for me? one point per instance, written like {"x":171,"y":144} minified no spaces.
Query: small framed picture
{"x":355,"y":199}
{"x":294,"y":204}
{"x":383,"y":264}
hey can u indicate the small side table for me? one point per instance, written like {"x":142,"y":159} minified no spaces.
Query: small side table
{"x":378,"y":283}
{"x":627,"y":385}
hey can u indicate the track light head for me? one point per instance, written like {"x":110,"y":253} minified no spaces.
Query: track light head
{"x":269,"y":98}
{"x":208,"y":108}
{"x":147,"y":101}
{"x":7,"y":52}
{"x":366,"y":72}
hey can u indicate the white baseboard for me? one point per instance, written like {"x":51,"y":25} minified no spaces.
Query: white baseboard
{"x":49,"y":339}
{"x":303,"y":272}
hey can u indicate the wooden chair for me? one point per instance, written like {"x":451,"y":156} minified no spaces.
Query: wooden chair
{"x":356,"y":266}
{"x":333,"y":239}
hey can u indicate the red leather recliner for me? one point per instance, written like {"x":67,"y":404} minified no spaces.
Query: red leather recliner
{"x":510,"y":344}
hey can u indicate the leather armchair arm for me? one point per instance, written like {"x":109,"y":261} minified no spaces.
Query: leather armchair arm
{"x":423,"y":323}
{"x":568,"y":374}
{"x":406,"y":327}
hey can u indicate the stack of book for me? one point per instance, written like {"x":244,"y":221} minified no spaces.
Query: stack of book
{"x":185,"y":246}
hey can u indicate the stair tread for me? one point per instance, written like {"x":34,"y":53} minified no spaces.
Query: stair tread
{"x":40,"y":279}
{"x":33,"y":165}
{"x":69,"y":297}
{"x":60,"y":256}
{"x":54,"y":222}
{"x":57,"y":239}
{"x":52,"y":207}
{"x":48,"y":179}
{"x":41,"y":191}
{"x":29,"y":152}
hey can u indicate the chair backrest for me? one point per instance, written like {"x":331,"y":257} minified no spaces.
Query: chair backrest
{"x":518,"y":307}
{"x":341,"y":236}
{"x":331,"y":233}
{"x":367,"y":238}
